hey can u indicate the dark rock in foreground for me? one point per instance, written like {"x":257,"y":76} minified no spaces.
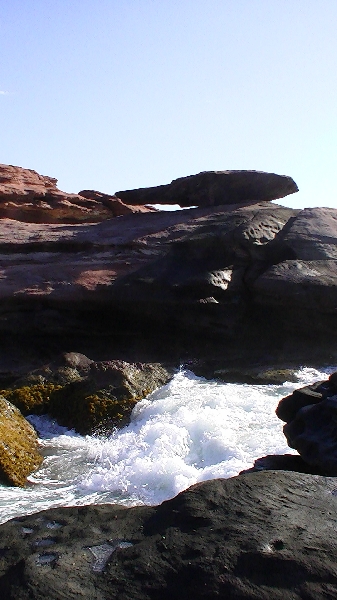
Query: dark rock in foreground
{"x":260,"y":536}
{"x":212,"y":188}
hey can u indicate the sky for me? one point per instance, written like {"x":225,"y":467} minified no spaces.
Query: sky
{"x":120,"y":94}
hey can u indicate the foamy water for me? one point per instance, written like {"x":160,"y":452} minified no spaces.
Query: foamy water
{"x":187,"y":431}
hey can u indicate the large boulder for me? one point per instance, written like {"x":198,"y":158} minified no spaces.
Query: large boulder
{"x":31,"y":393}
{"x":310,"y":414}
{"x":19,"y":454}
{"x":213,"y":188}
{"x":260,"y":536}
{"x":106,"y":396}
{"x":25,"y":195}
{"x":86,"y":395}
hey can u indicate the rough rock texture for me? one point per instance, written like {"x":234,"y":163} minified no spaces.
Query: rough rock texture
{"x":31,"y":393}
{"x":106,"y":397}
{"x":233,"y":284}
{"x":311,"y":417}
{"x":283,"y":462}
{"x":260,"y":536}
{"x":27,"y":196}
{"x":86,"y":395}
{"x":115,"y":205}
{"x":213,"y":188}
{"x":19,"y":455}
{"x":309,"y":277}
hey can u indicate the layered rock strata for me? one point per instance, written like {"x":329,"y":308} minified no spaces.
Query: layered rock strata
{"x":27,"y":196}
{"x":245,"y":277}
{"x":247,"y":282}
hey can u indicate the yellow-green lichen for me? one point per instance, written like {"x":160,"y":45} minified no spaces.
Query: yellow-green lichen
{"x":19,"y":454}
{"x":87,"y":413}
{"x":31,"y":398}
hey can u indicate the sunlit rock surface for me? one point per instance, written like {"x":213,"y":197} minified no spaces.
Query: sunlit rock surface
{"x":25,"y":195}
{"x":19,"y":455}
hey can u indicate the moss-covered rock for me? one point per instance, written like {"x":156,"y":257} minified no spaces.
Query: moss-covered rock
{"x":19,"y":455}
{"x":31,"y":399}
{"x":31,"y":393}
{"x":106,"y":397}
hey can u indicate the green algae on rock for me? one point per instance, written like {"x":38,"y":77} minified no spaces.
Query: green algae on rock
{"x":19,"y":455}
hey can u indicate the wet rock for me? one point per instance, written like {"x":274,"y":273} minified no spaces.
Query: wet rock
{"x":313,"y":433}
{"x":213,"y":188}
{"x":283,"y":462}
{"x":31,"y":398}
{"x":289,"y":406}
{"x":83,"y":394}
{"x":260,"y":536}
{"x":253,"y":375}
{"x":311,"y":416}
{"x":106,"y":397}
{"x":66,"y":368}
{"x":31,"y":394}
{"x":19,"y":455}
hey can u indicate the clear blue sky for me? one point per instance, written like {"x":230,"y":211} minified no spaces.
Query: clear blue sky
{"x":119,"y":94}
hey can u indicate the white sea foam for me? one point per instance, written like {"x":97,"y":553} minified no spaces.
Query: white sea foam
{"x":187,"y":431}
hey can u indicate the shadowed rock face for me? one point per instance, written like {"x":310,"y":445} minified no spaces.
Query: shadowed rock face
{"x":310,"y":414}
{"x":259,"y":536}
{"x":231,"y":283}
{"x":213,"y":188}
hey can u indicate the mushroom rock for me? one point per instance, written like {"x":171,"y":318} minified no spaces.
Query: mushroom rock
{"x":213,"y":188}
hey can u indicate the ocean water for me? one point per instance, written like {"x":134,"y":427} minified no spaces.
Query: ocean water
{"x":189,"y":430}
